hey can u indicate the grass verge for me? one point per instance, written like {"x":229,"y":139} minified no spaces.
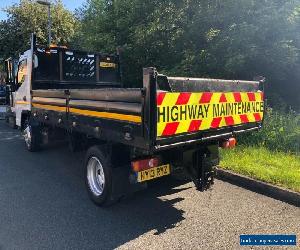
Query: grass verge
{"x":278,"y":168}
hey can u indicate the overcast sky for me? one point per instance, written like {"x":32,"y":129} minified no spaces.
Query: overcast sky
{"x":70,"y":4}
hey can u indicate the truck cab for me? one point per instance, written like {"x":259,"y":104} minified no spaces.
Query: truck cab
{"x":18,"y":82}
{"x":21,"y":98}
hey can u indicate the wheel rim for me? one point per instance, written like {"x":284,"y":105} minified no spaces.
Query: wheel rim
{"x":95,"y":176}
{"x":27,"y":136}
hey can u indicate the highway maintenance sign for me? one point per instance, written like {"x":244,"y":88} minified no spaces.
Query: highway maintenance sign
{"x":188,"y":112}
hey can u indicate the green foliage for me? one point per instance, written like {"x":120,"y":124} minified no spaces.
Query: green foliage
{"x":29,"y":16}
{"x":208,"y":38}
{"x":280,"y":132}
{"x":264,"y":164}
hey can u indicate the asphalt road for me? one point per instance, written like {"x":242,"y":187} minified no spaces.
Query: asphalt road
{"x":44,"y":205}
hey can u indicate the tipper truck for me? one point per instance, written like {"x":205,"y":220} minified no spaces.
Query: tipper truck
{"x":131,"y":135}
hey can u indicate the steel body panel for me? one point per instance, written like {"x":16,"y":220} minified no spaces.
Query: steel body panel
{"x":182,"y":84}
{"x":22,"y":98}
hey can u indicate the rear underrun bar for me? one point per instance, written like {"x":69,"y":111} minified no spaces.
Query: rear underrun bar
{"x":208,"y":138}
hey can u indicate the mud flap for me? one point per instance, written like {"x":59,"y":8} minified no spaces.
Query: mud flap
{"x":121,"y":185}
{"x":201,"y":165}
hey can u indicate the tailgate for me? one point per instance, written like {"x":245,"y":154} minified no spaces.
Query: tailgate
{"x":191,"y":110}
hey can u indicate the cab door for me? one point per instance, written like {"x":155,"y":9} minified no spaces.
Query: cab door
{"x":22,"y":98}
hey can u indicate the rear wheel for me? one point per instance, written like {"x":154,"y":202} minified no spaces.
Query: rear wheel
{"x":32,"y":137}
{"x":98,"y":174}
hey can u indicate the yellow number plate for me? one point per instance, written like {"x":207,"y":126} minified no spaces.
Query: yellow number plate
{"x":153,"y":173}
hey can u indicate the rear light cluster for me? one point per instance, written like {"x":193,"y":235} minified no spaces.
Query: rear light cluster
{"x":229,"y":143}
{"x":140,"y":165}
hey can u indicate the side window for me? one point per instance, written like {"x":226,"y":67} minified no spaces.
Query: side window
{"x":22,"y":72}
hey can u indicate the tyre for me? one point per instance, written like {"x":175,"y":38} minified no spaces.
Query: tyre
{"x":32,"y":137}
{"x":98,"y":176}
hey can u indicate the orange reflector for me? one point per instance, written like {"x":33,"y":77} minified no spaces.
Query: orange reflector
{"x":58,"y":46}
{"x":140,"y":165}
{"x":230,"y":143}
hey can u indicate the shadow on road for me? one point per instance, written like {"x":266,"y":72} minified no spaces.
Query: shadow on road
{"x":47,"y":205}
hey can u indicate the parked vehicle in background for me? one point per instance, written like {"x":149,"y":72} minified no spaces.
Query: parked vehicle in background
{"x":131,"y":135}
{"x":3,"y":94}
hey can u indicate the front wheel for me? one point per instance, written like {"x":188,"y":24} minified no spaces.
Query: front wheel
{"x":98,"y":174}
{"x":31,"y":136}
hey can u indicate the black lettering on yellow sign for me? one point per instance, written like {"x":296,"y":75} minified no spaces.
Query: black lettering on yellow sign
{"x":144,"y":175}
{"x":181,"y":113}
{"x":237,"y":108}
{"x":201,"y":111}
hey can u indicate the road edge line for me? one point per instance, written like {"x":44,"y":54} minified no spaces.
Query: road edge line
{"x":270,"y":190}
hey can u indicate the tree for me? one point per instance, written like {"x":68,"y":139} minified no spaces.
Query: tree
{"x":29,"y":16}
{"x":203,"y":38}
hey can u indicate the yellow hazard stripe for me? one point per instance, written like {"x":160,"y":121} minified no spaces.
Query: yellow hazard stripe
{"x":108,"y":115}
{"x":183,"y":112}
{"x":49,"y":107}
{"x":84,"y":112}
{"x":22,"y":102}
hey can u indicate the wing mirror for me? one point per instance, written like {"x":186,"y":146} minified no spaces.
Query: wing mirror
{"x":35,"y":61}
